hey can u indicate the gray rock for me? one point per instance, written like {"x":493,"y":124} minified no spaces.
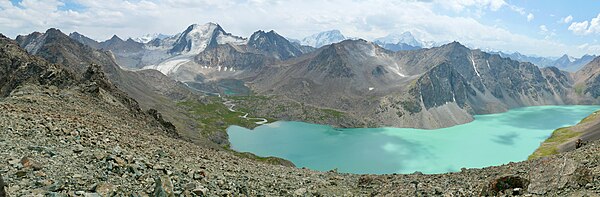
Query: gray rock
{"x":78,"y":148}
{"x":300,"y":192}
{"x":163,"y":187}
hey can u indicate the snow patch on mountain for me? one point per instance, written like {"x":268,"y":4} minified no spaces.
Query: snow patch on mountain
{"x":170,"y":66}
{"x":196,"y":38}
{"x":404,"y":38}
{"x":149,"y":37}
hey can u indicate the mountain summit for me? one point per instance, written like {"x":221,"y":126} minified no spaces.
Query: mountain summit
{"x":196,"y":38}
{"x":323,"y":38}
{"x":273,"y":44}
{"x":404,"y":38}
{"x":399,"y":42}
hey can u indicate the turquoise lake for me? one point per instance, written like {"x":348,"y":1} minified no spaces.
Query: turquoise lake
{"x":489,"y":140}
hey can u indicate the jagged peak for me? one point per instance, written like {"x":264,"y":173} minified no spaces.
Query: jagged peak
{"x":76,"y":34}
{"x":53,"y":30}
{"x":454,"y":45}
{"x":115,"y":38}
{"x":260,"y":33}
{"x":130,"y":40}
{"x":209,"y":25}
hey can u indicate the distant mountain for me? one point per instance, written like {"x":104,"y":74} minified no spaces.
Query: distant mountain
{"x":196,"y":38}
{"x":126,"y":52}
{"x":572,"y":64}
{"x":84,"y":40}
{"x":273,"y":44}
{"x":149,"y":37}
{"x":538,"y":61}
{"x":565,"y":62}
{"x":119,"y":46}
{"x":323,"y":38}
{"x":404,"y":38}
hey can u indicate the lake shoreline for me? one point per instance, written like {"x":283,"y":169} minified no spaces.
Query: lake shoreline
{"x":512,"y":142}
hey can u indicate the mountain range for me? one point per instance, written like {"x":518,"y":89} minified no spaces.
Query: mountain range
{"x":565,"y":62}
{"x":150,"y":88}
{"x":69,"y":130}
{"x":362,"y":80}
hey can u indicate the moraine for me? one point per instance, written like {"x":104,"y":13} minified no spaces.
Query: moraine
{"x":489,"y":140}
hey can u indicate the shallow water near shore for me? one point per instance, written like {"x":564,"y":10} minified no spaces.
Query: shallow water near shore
{"x":489,"y":140}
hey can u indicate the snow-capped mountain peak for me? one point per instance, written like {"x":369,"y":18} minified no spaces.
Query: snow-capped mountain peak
{"x":396,"y":38}
{"x":196,"y":38}
{"x":323,"y":38}
{"x":149,"y":37}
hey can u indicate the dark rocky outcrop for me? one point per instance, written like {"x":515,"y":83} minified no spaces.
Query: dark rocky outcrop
{"x":17,"y":68}
{"x":506,"y":185}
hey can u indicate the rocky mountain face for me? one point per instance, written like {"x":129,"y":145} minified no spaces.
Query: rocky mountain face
{"x":430,"y":88}
{"x":201,"y":53}
{"x":588,"y":81}
{"x":323,"y":38}
{"x":84,"y":40}
{"x":572,"y":64}
{"x":231,"y":59}
{"x":197,"y":38}
{"x":127,"y":53}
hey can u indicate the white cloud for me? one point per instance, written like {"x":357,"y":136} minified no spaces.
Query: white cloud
{"x":546,"y":32}
{"x":579,"y":28}
{"x":517,"y":9}
{"x":530,"y":17}
{"x":585,"y":27}
{"x":589,"y":48}
{"x":566,"y":19}
{"x":460,"y":5}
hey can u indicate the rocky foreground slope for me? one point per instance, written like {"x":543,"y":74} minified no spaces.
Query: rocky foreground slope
{"x":61,"y":135}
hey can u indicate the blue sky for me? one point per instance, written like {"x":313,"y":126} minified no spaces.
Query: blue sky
{"x":545,"y":28}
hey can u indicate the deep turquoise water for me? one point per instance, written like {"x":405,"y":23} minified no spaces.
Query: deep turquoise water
{"x":493,"y":139}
